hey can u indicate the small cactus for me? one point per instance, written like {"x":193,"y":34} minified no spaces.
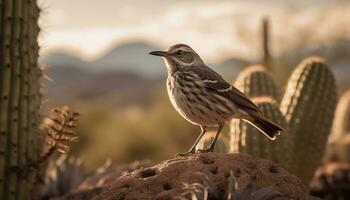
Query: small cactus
{"x":255,"y":81}
{"x":331,"y":181}
{"x":246,"y":139}
{"x":308,"y":106}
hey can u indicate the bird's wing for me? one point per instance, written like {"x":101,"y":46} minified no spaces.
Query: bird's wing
{"x":227,"y":90}
{"x":214,"y":82}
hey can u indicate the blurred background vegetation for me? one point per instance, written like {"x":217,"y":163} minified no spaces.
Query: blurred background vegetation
{"x":98,"y":60}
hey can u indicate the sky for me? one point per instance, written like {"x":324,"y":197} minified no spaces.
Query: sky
{"x":216,"y":29}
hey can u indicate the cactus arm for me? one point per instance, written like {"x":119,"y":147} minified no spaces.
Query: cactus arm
{"x":255,"y":81}
{"x":308,"y":106}
{"x":5,"y":87}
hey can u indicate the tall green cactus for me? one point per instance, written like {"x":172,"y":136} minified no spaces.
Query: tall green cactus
{"x":255,"y":81}
{"x":306,"y":111}
{"x":341,"y":123}
{"x":20,"y":96}
{"x":308,"y":105}
{"x":247,"y":139}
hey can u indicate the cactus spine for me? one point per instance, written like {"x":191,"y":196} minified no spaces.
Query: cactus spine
{"x":19,"y":90}
{"x":308,"y":105}
{"x":255,"y":81}
{"x":247,"y":139}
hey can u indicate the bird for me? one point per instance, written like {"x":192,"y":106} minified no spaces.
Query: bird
{"x":204,"y":98}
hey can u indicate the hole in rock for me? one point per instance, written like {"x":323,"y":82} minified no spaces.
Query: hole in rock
{"x":238,"y":172}
{"x":274,"y":169}
{"x":214,"y":170}
{"x":167,"y":186}
{"x":148,"y":173}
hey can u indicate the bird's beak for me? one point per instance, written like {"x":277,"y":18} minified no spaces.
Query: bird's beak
{"x":158,"y":53}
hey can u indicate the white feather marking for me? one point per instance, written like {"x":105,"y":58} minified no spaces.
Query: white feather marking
{"x":209,"y":81}
{"x":226,"y":90}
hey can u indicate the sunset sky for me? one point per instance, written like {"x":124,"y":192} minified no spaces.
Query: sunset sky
{"x":216,"y":29}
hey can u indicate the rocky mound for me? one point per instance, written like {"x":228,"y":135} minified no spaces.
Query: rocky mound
{"x":167,"y":180}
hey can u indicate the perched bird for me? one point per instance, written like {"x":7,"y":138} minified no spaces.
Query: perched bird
{"x":205,"y":99}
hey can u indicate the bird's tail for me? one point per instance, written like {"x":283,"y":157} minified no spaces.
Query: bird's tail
{"x":267,"y":127}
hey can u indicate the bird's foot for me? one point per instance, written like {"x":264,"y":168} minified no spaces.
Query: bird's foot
{"x":188,"y":153}
{"x":210,"y":149}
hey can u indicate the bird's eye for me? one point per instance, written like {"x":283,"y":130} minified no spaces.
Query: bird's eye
{"x":179,"y":52}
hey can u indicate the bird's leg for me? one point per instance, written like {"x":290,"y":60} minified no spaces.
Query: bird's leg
{"x":193,"y":148}
{"x":212,"y":144}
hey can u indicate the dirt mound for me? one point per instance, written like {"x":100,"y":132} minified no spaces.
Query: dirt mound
{"x":166,"y":180}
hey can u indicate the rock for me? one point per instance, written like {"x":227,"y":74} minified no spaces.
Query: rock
{"x":331,"y":181}
{"x":108,"y":173}
{"x":166,"y":180}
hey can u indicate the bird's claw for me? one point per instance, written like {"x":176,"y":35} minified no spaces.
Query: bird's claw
{"x":185,"y":154}
{"x":210,"y":149}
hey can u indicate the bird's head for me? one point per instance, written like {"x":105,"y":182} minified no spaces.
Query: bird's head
{"x":178,"y":56}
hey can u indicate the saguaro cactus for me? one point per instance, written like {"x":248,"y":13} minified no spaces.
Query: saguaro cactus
{"x":306,"y":112}
{"x":255,"y":81}
{"x":20,"y":96}
{"x":308,"y":105}
{"x":247,"y":139}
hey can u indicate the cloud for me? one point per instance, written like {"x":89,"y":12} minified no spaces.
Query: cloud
{"x":218,"y":29}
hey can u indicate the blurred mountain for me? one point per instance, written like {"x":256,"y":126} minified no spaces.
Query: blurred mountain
{"x":132,"y":57}
{"x":62,"y":59}
{"x":124,"y":74}
{"x":72,"y":85}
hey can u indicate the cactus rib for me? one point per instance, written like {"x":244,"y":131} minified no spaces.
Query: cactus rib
{"x":5,"y":87}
